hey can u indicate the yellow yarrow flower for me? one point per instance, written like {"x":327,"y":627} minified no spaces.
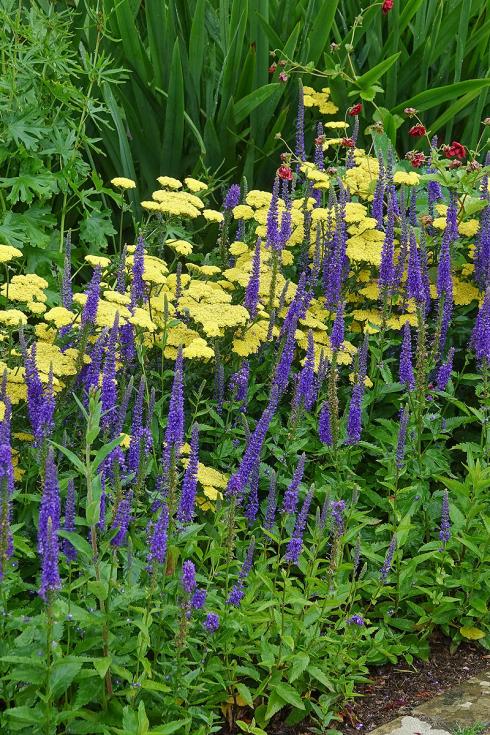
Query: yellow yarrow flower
{"x":123,"y":183}
{"x":211,"y":215}
{"x":100,"y":260}
{"x":12,"y":317}
{"x":182,"y":247}
{"x":8,"y":252}
{"x":410,"y":178}
{"x":195,"y":185}
{"x":169,"y":182}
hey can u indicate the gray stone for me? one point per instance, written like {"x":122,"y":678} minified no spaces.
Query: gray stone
{"x":465,"y":705}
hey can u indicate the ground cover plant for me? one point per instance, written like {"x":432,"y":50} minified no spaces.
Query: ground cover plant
{"x":234,"y":478}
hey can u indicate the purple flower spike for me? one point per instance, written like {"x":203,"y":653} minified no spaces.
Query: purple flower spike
{"x":174,"y":432}
{"x":198,"y":599}
{"x":402,"y":438}
{"x":354,"y":421}
{"x":66,"y":290}
{"x":295,"y":545}
{"x":159,"y":538}
{"x":188,"y":578}
{"x":415,"y":286}
{"x":300,"y":127}
{"x":50,"y":575}
{"x":324,"y":425}
{"x":445,"y":532}
{"x":444,"y":372}
{"x":337,"y":509}
{"x":50,"y":507}
{"x":89,"y":313}
{"x":232,"y":198}
{"x":385,"y":569}
{"x":121,"y":521}
{"x":355,"y":620}
{"x":291,"y":495}
{"x":211,"y":623}
{"x":337,"y":336}
{"x":185,"y":512}
{"x":406,"y":368}
{"x":480,"y":339}
{"x":386,"y":270}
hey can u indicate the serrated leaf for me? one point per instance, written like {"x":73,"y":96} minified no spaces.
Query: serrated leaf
{"x":320,"y":676}
{"x":246,"y":694}
{"x":101,"y":665}
{"x":289,"y":695}
{"x":62,"y":675}
{"x":299,"y":664}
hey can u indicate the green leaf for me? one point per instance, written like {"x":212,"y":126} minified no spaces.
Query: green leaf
{"x":72,"y":457}
{"x":98,"y":588}
{"x":289,"y":695}
{"x":373,"y":75}
{"x":274,"y":704}
{"x":62,"y":674}
{"x":246,"y":105}
{"x":318,"y":674}
{"x":154,"y":686}
{"x":246,"y":694}
{"x":174,"y":117}
{"x":472,"y":634}
{"x":102,"y":665}
{"x":319,"y":34}
{"x":299,"y":662}
{"x":104,"y":451}
{"x":170,"y":727}
{"x":438,"y":95}
{"x":197,"y":43}
{"x":80,"y":544}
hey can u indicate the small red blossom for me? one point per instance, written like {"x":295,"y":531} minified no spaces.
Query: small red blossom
{"x":387,"y":6}
{"x":355,"y":109}
{"x":284,"y":172}
{"x":272,"y":68}
{"x":283,"y":77}
{"x":417,"y":159}
{"x":416,"y":131}
{"x":348,"y":142}
{"x":410,"y":111}
{"x":455,"y":150}
{"x":455,"y":164}
{"x":320,"y":140}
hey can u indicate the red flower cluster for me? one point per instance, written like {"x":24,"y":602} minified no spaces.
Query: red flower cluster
{"x":416,"y":131}
{"x":416,"y":158}
{"x":455,"y":150}
{"x":387,"y":6}
{"x":348,"y":142}
{"x":284,"y":172}
{"x":272,"y":68}
{"x":355,"y":109}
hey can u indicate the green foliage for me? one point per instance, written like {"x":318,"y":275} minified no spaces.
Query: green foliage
{"x":47,"y":97}
{"x":198,"y":94}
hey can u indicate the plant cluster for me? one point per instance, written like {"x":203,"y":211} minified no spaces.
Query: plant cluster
{"x":230,"y":483}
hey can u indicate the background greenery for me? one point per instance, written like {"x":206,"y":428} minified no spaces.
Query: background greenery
{"x":148,"y":88}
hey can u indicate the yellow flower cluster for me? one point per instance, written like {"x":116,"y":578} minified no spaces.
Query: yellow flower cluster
{"x":321,"y":100}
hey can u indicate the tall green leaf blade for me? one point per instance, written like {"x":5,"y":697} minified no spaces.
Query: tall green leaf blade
{"x":374,"y":74}
{"x":319,"y":36}
{"x":432,"y":97}
{"x":131,"y":42}
{"x":173,"y":136}
{"x":244,"y":107}
{"x":197,"y":42}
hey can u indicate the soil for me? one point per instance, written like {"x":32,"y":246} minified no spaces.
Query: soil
{"x":395,"y":690}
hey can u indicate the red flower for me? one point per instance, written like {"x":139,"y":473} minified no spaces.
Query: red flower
{"x":355,"y":109}
{"x":417,"y":160}
{"x":416,"y":131}
{"x":455,"y":150}
{"x":272,"y":68}
{"x":387,"y":6}
{"x":348,"y":142}
{"x":283,"y":77}
{"x":284,"y":172}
